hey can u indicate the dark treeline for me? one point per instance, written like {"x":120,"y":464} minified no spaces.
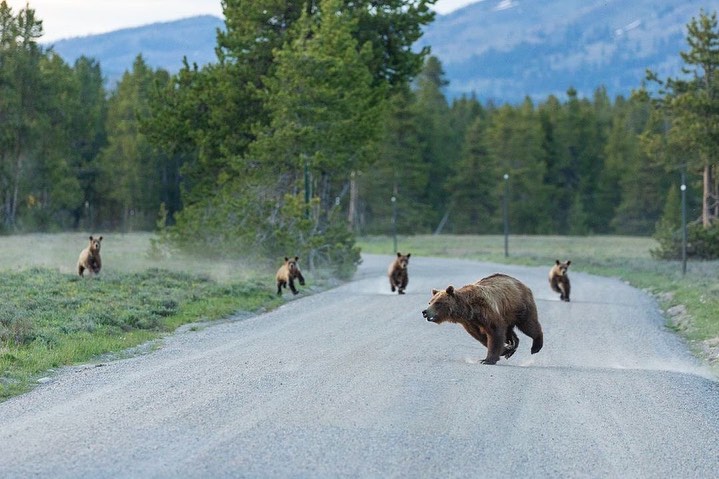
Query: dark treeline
{"x":298,"y":142}
{"x":575,"y":166}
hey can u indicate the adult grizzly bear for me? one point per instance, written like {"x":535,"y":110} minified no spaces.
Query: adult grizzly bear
{"x":288,"y":273}
{"x":90,"y":257}
{"x":489,"y":310}
{"x":559,"y":280}
{"x":397,"y":272}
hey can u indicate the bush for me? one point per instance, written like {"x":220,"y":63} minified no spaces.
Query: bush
{"x":265,"y":228}
{"x":702,"y":243}
{"x":16,"y":329}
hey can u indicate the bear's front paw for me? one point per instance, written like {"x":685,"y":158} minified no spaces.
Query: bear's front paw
{"x":401,"y":291}
{"x":488,"y":361}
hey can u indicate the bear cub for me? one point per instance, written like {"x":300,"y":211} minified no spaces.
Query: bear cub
{"x":559,"y":280}
{"x":397,"y":272}
{"x":489,"y":310}
{"x":90,"y":257}
{"x":288,"y":273}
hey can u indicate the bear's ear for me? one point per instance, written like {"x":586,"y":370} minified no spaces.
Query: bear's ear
{"x":450,"y":290}
{"x":556,"y":262}
{"x":297,"y":258}
{"x":399,"y":254}
{"x":569,"y":261}
{"x":100,"y":238}
{"x":434,"y":291}
{"x":408,"y":255}
{"x":90,"y":237}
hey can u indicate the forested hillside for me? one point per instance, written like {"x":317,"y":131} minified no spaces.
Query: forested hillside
{"x":298,"y":143}
{"x":162,"y":45}
{"x":505,"y":49}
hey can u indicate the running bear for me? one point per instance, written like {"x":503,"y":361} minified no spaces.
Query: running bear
{"x":90,"y":257}
{"x":397,"y":272}
{"x":287,"y":274}
{"x":559,"y":280}
{"x":489,"y":310}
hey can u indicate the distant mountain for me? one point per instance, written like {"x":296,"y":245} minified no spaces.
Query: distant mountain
{"x":498,"y":49}
{"x":506,"y":49}
{"x":163,"y":45}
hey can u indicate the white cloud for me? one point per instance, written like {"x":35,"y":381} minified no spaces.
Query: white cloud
{"x":445,"y":6}
{"x":71,"y":18}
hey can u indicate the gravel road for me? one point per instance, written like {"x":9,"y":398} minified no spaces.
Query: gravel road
{"x":353,"y":382}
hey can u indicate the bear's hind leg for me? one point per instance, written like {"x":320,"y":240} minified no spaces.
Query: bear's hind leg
{"x":561,"y":292}
{"x":402,"y":286}
{"x":554,"y":284}
{"x":512,"y":343}
{"x":537,"y":343}
{"x":528,"y":323}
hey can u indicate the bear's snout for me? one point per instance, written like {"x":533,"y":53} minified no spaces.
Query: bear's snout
{"x":427,"y":315}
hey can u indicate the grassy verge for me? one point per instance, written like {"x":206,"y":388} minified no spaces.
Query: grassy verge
{"x":50,"y":317}
{"x":627,"y":258}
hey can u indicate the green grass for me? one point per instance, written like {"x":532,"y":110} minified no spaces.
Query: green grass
{"x":50,"y":317}
{"x":627,"y":258}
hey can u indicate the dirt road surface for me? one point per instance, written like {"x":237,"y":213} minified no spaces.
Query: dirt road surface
{"x":353,"y":382}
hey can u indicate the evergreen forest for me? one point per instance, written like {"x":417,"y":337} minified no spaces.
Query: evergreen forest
{"x":319,"y":122}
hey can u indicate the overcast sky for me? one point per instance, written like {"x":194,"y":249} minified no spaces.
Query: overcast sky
{"x":73,"y":18}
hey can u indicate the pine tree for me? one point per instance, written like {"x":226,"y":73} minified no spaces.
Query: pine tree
{"x":20,"y":81}
{"x":397,"y":172}
{"x":433,"y":119}
{"x":129,"y":165}
{"x":515,"y":143}
{"x":691,"y":105}
{"x":88,"y":137}
{"x":475,"y":198}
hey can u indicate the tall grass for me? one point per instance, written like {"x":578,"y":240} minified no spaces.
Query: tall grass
{"x":50,"y":317}
{"x":121,"y":253}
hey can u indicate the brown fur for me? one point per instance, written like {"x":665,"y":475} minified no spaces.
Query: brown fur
{"x":397,"y":272}
{"x":287,"y":274}
{"x":489,"y":310}
{"x":90,"y":257}
{"x":559,"y":280}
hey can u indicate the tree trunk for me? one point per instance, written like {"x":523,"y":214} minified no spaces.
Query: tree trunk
{"x":325,"y":201}
{"x":352,"y":213}
{"x":715,"y":193}
{"x":12,"y":214}
{"x":707,"y":195}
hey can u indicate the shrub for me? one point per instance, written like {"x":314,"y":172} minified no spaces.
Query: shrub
{"x":16,"y":328}
{"x":269,"y":229}
{"x":702,"y":243}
